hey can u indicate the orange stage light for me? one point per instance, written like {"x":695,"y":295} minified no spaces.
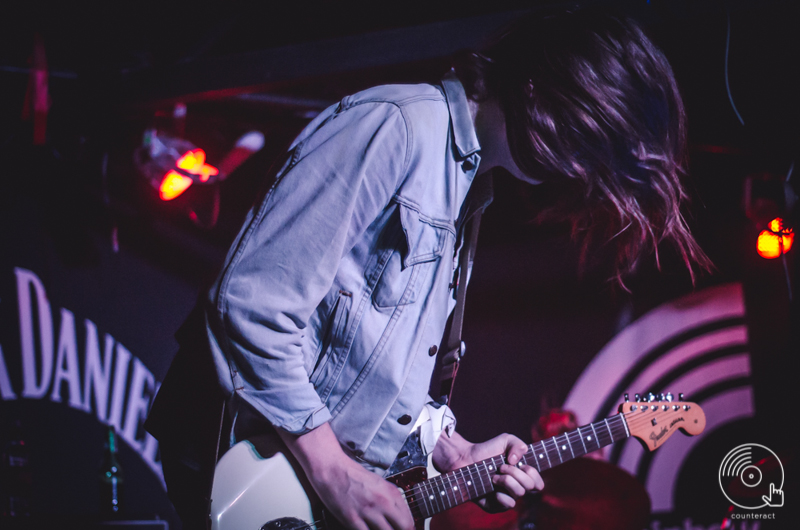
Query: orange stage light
{"x":173,"y":185}
{"x":192,"y":162}
{"x":776,"y":241}
{"x":195,"y":163}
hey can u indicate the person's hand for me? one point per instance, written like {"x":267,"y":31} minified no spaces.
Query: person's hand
{"x":511,"y":481}
{"x":357,"y":498}
{"x":360,"y":499}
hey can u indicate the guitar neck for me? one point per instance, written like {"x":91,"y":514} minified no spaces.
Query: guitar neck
{"x":450,"y":489}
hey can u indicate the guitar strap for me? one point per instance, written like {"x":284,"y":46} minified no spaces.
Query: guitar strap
{"x":478,"y":198}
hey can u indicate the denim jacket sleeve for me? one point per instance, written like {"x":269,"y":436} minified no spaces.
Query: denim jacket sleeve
{"x":342,"y":172}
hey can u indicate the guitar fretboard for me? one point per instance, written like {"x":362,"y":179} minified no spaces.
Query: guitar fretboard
{"x":450,"y":489}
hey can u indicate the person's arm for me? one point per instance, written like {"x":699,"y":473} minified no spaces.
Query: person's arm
{"x":512,"y":482}
{"x":340,"y":178}
{"x":358,"y":498}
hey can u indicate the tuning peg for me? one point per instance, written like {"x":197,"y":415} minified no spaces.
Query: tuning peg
{"x":626,"y":398}
{"x":651,"y":397}
{"x":638,"y":397}
{"x":662,"y":397}
{"x":669,"y":396}
{"x":680,"y":396}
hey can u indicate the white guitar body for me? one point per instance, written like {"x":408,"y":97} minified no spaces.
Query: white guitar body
{"x":250,"y":490}
{"x":255,"y":483}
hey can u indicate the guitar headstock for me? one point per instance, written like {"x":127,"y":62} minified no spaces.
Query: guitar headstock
{"x":655,"y":418}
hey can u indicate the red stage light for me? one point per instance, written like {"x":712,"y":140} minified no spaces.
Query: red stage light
{"x":775,"y":241}
{"x":192,"y":162}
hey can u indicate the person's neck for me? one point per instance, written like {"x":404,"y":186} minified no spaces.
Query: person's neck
{"x":490,"y":128}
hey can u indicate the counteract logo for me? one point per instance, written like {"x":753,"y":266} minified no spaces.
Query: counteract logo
{"x":751,"y":477}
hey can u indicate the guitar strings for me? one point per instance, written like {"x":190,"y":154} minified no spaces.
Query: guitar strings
{"x":642,"y":417}
{"x":414,"y":500}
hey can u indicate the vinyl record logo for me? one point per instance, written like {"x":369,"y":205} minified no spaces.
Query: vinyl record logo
{"x":751,"y":477}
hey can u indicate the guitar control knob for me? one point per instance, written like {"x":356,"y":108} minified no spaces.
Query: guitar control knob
{"x":654,"y":407}
{"x":686,"y":407}
{"x":633,"y":408}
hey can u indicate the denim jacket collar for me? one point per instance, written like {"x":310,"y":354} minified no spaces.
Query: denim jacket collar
{"x":461,"y":120}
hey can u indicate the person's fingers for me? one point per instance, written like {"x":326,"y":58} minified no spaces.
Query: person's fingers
{"x":538,"y":481}
{"x":400,"y":516}
{"x":505,"y":501}
{"x":509,"y":484}
{"x":514,"y":450}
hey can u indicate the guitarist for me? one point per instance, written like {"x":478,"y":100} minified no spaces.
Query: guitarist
{"x":326,"y":319}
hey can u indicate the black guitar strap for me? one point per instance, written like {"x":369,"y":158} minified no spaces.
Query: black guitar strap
{"x":478,"y":198}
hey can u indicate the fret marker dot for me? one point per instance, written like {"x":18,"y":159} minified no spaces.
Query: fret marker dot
{"x":431,"y":497}
{"x":469,"y":483}
{"x":490,"y":467}
{"x":541,"y":456}
{"x":455,"y":488}
{"x":563,"y":447}
{"x":442,"y":492}
{"x":588,"y":437}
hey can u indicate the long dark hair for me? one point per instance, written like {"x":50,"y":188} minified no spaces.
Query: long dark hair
{"x":593,"y":108}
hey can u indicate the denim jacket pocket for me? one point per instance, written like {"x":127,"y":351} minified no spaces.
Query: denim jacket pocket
{"x":328,"y":362}
{"x":418,"y":246}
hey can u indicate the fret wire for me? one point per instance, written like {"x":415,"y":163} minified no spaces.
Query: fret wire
{"x":544,"y":450}
{"x":570,"y":445}
{"x":428,"y":505}
{"x":432,"y":495}
{"x":446,"y":489}
{"x":555,"y":446}
{"x":488,"y":475}
{"x":457,"y":488}
{"x":463,"y":498}
{"x":596,"y":439}
{"x":472,"y":480}
{"x":535,"y":460}
{"x":571,"y":435}
{"x":451,"y":493}
{"x":429,"y":495}
{"x":580,"y":435}
{"x":621,"y":426}
{"x":438,"y":482}
{"x":421,"y":495}
{"x":457,"y":492}
{"x":477,"y":469}
{"x":609,"y":429}
{"x":480,"y":478}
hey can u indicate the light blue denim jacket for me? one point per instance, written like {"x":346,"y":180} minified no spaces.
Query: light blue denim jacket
{"x":338,"y":284}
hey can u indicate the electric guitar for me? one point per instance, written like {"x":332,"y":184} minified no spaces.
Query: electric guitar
{"x":259,"y":485}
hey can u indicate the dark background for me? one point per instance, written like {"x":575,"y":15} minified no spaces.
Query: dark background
{"x":534,"y":320}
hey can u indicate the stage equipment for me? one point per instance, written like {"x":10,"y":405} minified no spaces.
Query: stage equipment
{"x":172,"y":164}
